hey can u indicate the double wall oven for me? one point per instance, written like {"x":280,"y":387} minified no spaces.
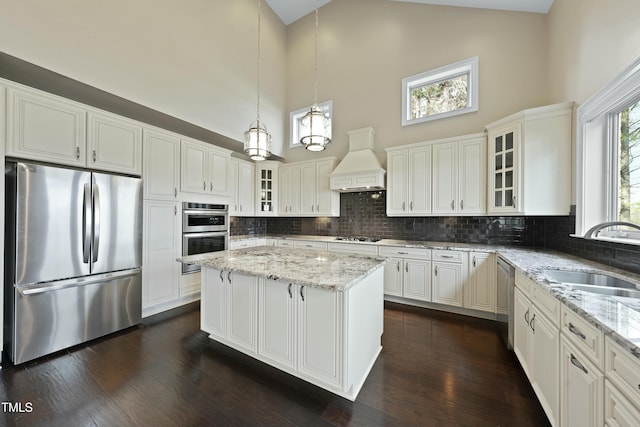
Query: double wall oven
{"x":205,"y":228}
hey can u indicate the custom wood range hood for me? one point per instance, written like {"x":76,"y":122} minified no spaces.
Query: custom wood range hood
{"x":360,"y":169}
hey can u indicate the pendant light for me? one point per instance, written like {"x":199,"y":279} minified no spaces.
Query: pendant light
{"x":316,"y":122}
{"x":257,"y":141}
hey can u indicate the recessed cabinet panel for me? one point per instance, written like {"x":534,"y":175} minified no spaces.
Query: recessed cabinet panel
{"x":115,"y":144}
{"x":161,"y":168}
{"x":45,"y":127}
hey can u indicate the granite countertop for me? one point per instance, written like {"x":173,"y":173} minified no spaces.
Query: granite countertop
{"x":617,"y":317}
{"x":321,"y":269}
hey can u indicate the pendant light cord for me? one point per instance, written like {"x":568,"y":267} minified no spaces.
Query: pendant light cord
{"x":258,"y":108}
{"x":315,"y":71}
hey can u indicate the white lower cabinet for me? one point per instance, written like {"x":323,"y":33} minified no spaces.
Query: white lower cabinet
{"x":618,"y":409}
{"x":581,"y":389}
{"x":301,"y":328}
{"x":330,"y":339}
{"x":480,"y":286}
{"x":537,"y":346}
{"x":160,"y":248}
{"x":230,"y":312}
{"x":449,"y":276}
{"x":408,"y":272}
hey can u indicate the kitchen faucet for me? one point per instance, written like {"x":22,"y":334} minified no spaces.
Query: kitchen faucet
{"x":593,"y":231}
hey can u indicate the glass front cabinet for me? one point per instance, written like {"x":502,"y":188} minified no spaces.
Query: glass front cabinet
{"x":267,"y":177}
{"x":504,"y":169}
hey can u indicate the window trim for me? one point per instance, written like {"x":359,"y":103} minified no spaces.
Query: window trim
{"x":297,"y":115}
{"x":596,"y":154}
{"x":467,"y":66}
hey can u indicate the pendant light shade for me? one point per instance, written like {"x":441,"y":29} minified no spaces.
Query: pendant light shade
{"x":316,"y":122}
{"x":318,"y":125}
{"x":257,"y":141}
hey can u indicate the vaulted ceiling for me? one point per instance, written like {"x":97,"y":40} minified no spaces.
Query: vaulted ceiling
{"x":291,"y":10}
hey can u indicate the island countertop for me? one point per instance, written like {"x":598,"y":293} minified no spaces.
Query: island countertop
{"x":320,"y":269}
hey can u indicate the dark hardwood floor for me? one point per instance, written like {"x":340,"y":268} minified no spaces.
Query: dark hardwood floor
{"x":436,"y":369}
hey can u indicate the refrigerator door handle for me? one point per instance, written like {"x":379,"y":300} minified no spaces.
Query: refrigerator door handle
{"x":96,"y":222}
{"x":86,"y":224}
{"x":74,"y":283}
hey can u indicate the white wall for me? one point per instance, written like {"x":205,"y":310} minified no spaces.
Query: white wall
{"x":192,"y":59}
{"x":590,"y":43}
{"x":366,"y":48}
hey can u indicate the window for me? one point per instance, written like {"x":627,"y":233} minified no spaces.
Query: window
{"x":296,"y":128}
{"x":608,"y":159}
{"x":444,"y":92}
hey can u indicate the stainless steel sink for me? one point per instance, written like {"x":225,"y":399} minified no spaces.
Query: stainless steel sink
{"x":595,"y":283}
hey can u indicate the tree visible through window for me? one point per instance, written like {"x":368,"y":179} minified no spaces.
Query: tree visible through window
{"x":629,"y":164}
{"x":444,"y":92}
{"x":440,"y":97}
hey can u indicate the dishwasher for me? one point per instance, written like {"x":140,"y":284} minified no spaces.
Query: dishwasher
{"x":506,"y":285}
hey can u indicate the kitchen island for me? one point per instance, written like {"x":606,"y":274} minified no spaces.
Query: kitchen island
{"x":316,"y":315}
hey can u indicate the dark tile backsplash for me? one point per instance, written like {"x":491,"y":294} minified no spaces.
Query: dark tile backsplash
{"x":364,"y":214}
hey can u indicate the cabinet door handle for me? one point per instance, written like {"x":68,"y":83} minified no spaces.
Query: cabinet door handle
{"x":175,"y":210}
{"x":474,"y":262}
{"x":576,"y":331}
{"x":94,"y":156}
{"x":461,"y":204}
{"x":411,"y":205}
{"x":240,"y":207}
{"x":435,"y":271}
{"x":311,"y":208}
{"x":290,"y":294}
{"x":406,"y":267}
{"x":532,"y":323}
{"x":175,"y":191}
{"x":77,"y":153}
{"x":453,"y":204}
{"x":229,"y":276}
{"x":317,"y":208}
{"x":513,"y":201}
{"x":575,"y":362}
{"x":302,"y":293}
{"x":221,"y":277}
{"x":526,"y":316}
{"x":204,"y":186}
{"x":211,"y":186}
{"x":403,"y":205}
{"x":398,"y":266}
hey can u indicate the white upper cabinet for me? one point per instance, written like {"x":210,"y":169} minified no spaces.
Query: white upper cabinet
{"x":289,"y":190}
{"x":205,"y":168}
{"x":441,"y":177}
{"x":114,"y":144}
{"x":304,"y":189}
{"x":267,"y":197}
{"x":243,"y":183}
{"x":45,"y":127}
{"x":529,"y":162}
{"x":409,"y":181}
{"x":52,"y":129}
{"x":161,"y":165}
{"x":459,"y":176}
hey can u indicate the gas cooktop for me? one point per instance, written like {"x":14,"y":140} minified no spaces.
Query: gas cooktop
{"x":358,"y":239}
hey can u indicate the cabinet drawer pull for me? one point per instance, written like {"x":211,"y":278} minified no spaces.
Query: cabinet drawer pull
{"x":302,"y":293}
{"x":446,"y":256}
{"x":576,"y":331}
{"x":403,"y":253}
{"x":290,"y":294}
{"x":575,"y":362}
{"x":532,"y":324}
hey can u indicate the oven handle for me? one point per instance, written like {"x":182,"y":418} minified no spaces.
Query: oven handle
{"x":205,"y":234}
{"x":204,"y":212}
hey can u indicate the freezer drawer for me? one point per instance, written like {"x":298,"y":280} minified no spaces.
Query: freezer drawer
{"x":65,"y":313}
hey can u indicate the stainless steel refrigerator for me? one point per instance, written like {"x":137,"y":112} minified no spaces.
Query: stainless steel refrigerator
{"x":73,"y":256}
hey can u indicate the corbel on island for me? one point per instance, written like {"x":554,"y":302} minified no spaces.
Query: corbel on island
{"x":316,"y":315}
